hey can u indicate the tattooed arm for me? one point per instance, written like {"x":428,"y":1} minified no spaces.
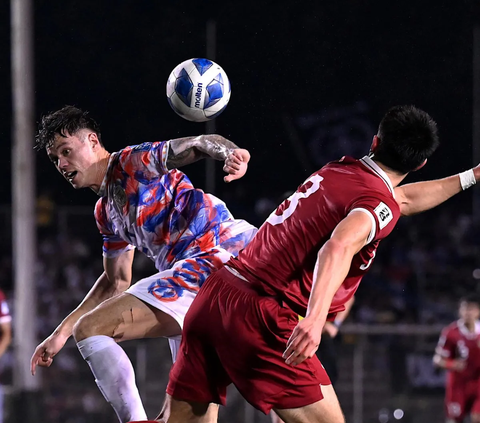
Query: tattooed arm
{"x":188,"y":150}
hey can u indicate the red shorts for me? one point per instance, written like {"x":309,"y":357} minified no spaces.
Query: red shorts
{"x":233,"y":334}
{"x":461,"y":399}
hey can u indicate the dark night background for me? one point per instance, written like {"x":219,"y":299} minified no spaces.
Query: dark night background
{"x":294,"y":58}
{"x":310,"y":82}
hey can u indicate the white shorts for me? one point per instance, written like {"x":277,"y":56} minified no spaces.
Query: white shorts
{"x":173,"y":290}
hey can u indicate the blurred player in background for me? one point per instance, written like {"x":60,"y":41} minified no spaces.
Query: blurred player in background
{"x":458,"y":352}
{"x":5,"y":337}
{"x":307,"y":259}
{"x":145,"y":203}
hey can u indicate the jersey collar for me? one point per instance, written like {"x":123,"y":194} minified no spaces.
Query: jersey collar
{"x":103,"y":188}
{"x":462,"y":328}
{"x":368,"y":162}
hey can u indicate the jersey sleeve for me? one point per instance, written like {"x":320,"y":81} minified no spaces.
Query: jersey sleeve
{"x":383,"y":212}
{"x":4,"y":310}
{"x":147,"y":159}
{"x":446,"y":344}
{"x":113,"y":244}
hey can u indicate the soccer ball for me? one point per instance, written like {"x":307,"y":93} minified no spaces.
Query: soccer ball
{"x":198,"y":90}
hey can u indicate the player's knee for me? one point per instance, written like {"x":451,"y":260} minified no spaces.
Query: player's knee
{"x":86,"y":327}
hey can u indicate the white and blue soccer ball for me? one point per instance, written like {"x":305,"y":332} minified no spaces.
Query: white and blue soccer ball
{"x":198,"y":90}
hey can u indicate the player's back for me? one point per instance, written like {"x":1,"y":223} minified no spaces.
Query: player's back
{"x":281,"y":257}
{"x":158,"y":210}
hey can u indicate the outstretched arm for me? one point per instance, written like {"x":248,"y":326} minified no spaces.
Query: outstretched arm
{"x":115,"y":279}
{"x":184,"y":151}
{"x":421,"y":196}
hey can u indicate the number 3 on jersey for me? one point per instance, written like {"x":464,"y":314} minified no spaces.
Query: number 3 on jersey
{"x":276,"y":219}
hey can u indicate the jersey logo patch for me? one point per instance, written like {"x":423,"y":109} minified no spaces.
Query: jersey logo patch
{"x":384,"y":215}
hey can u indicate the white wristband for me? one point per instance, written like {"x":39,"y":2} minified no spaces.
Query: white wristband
{"x":467,"y":179}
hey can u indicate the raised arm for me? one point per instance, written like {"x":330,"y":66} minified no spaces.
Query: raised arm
{"x":421,"y":196}
{"x":188,"y":150}
{"x":333,"y":263}
{"x":115,"y":279}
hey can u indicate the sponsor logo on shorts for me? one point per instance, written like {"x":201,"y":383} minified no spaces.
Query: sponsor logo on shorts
{"x":384,"y":214}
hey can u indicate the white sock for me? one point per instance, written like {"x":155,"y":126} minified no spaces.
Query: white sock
{"x":114,"y":375}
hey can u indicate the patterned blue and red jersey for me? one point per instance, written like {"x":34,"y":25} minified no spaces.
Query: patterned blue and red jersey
{"x":145,"y":205}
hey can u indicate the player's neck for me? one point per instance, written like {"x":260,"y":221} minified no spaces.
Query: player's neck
{"x":395,"y":177}
{"x":100,"y":170}
{"x":470,"y":326}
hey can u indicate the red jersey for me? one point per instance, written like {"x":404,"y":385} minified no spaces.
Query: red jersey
{"x":4,"y":311}
{"x":281,"y":257}
{"x":457,"y":342}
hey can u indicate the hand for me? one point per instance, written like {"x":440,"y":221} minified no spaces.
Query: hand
{"x":303,"y":342}
{"x":476,"y":172}
{"x":458,"y":365}
{"x":236,"y":164}
{"x":330,"y":329}
{"x":44,"y":353}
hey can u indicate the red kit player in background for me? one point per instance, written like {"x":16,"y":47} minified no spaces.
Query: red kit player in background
{"x":5,"y":337}
{"x":458,"y":352}
{"x":307,"y":259}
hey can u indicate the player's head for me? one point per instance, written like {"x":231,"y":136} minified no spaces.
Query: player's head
{"x":469,"y":308}
{"x":406,"y":138}
{"x":73,"y":143}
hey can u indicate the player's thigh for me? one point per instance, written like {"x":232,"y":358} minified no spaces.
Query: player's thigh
{"x":126,"y":317}
{"x":209,"y":416}
{"x":275,"y":418}
{"x":191,"y":412}
{"x":326,"y":410}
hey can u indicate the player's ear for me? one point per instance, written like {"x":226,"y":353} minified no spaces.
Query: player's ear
{"x":421,"y":165}
{"x":93,"y":140}
{"x":375,"y":143}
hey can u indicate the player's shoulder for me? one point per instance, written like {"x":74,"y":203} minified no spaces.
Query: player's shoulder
{"x":140,"y":149}
{"x":451,"y":330}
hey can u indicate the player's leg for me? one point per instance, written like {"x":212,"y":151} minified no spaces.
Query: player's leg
{"x":203,"y":412}
{"x":275,"y":418}
{"x":120,"y":318}
{"x":475,"y":408}
{"x":326,"y":410}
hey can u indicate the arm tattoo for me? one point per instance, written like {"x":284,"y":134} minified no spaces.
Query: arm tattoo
{"x":187,"y":150}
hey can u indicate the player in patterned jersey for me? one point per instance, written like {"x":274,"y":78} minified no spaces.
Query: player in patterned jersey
{"x":5,"y":337}
{"x":145,"y":203}
{"x":458,"y":352}
{"x":307,"y":259}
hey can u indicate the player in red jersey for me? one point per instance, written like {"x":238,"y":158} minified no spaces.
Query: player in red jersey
{"x":458,"y":352}
{"x":5,"y":337}
{"x":308,"y":259}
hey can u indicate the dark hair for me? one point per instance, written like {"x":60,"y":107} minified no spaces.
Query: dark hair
{"x":407,"y":136}
{"x":66,"y":121}
{"x":472,"y":298}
